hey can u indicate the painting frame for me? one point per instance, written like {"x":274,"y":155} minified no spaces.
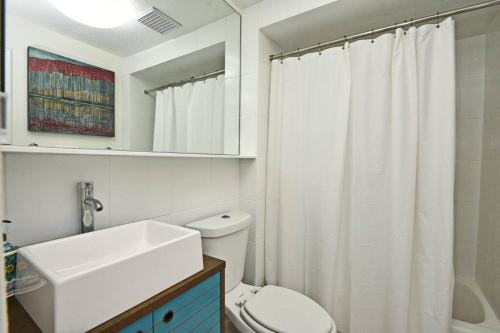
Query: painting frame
{"x":69,"y":96}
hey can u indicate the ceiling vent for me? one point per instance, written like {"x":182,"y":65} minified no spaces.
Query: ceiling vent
{"x":158,"y":21}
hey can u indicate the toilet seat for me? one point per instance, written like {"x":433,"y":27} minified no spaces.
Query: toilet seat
{"x":276,"y":309}
{"x":255,"y":326}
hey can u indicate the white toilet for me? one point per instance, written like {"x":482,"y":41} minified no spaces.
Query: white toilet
{"x":268,"y":309}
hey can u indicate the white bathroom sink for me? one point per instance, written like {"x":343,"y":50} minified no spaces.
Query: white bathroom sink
{"x":74,"y":284}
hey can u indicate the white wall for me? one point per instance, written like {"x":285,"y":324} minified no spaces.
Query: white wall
{"x":470,"y":60}
{"x":488,"y":255}
{"x":139,"y":119}
{"x":43,"y":203}
{"x":19,"y":35}
{"x":255,"y":71}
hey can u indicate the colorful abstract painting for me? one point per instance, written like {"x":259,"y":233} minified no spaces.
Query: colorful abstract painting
{"x":68,"y":96}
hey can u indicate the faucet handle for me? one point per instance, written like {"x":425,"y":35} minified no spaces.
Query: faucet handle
{"x":94,"y":203}
{"x":98,"y":206}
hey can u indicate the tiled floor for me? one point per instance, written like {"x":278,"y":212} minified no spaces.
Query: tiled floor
{"x":230,"y":328}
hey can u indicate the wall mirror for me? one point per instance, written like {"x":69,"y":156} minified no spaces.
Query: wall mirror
{"x":138,"y":75}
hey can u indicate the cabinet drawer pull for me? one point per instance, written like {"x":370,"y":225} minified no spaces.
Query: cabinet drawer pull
{"x":168,"y":316}
{"x":140,"y":331}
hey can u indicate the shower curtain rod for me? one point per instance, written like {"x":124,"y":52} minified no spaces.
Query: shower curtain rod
{"x":371,"y":33}
{"x":193,"y":79}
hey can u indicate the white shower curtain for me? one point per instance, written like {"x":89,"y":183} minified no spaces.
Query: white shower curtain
{"x":360,"y":180}
{"x":190,"y":118}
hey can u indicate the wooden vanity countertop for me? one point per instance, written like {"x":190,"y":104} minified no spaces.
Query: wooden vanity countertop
{"x":20,"y":321}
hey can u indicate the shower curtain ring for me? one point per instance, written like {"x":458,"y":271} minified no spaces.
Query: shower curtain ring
{"x":298,"y":52}
{"x":437,"y":20}
{"x":372,"y":37}
{"x":319,"y":48}
{"x":281,"y":57}
{"x":345,"y":41}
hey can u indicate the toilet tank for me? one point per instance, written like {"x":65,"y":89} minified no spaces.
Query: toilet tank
{"x":224,"y":236}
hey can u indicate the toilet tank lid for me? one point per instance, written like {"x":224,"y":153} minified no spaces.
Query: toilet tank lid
{"x":222,"y":224}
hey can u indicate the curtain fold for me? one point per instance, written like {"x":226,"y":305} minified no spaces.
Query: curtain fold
{"x":190,"y":118}
{"x":360,"y":180}
{"x":183,"y":97}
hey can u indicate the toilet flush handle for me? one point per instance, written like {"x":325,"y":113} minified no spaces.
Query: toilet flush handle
{"x":241,"y":303}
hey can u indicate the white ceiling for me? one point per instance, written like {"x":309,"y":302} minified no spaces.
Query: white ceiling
{"x":201,"y":62}
{"x":131,"y":37}
{"x":347,"y":17}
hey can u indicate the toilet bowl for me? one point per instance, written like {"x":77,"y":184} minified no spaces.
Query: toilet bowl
{"x":275,"y":309}
{"x":252,"y":309}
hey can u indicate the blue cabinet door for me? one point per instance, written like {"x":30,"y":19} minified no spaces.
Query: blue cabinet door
{"x":191,"y":310}
{"x":195,"y":310}
{"x":143,"y":325}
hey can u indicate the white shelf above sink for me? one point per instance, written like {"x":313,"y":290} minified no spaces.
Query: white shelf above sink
{"x":105,"y":152}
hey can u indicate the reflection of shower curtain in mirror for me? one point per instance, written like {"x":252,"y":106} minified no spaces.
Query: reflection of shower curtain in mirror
{"x":190,"y":118}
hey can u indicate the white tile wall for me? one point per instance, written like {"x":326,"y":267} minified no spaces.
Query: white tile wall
{"x":42,"y":197}
{"x":466,"y":222}
{"x":488,"y":251}
{"x":467,"y":181}
{"x":465,"y":258}
{"x":470,"y":53}
{"x":255,"y":102}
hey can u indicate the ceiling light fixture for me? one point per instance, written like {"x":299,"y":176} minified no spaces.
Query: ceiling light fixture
{"x":97,"y":13}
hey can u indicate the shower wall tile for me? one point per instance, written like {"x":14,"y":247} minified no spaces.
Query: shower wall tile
{"x":470,"y":56}
{"x":465,"y":259}
{"x":470,"y":65}
{"x":491,"y":139}
{"x":488,"y":215}
{"x":470,"y":59}
{"x":488,"y":250}
{"x":492,"y":97}
{"x":493,"y":54}
{"x":466,"y":221}
{"x":490,"y":182}
{"x":470,"y":97}
{"x":467,"y":181}
{"x":469,"y":139}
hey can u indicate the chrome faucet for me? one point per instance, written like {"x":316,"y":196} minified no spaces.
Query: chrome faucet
{"x":88,"y":204}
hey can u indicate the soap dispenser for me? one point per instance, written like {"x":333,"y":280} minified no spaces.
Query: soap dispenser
{"x":10,"y":261}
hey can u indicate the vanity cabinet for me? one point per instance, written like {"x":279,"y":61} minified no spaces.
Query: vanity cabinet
{"x":143,"y":325}
{"x":196,"y":310}
{"x":195,"y":304}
